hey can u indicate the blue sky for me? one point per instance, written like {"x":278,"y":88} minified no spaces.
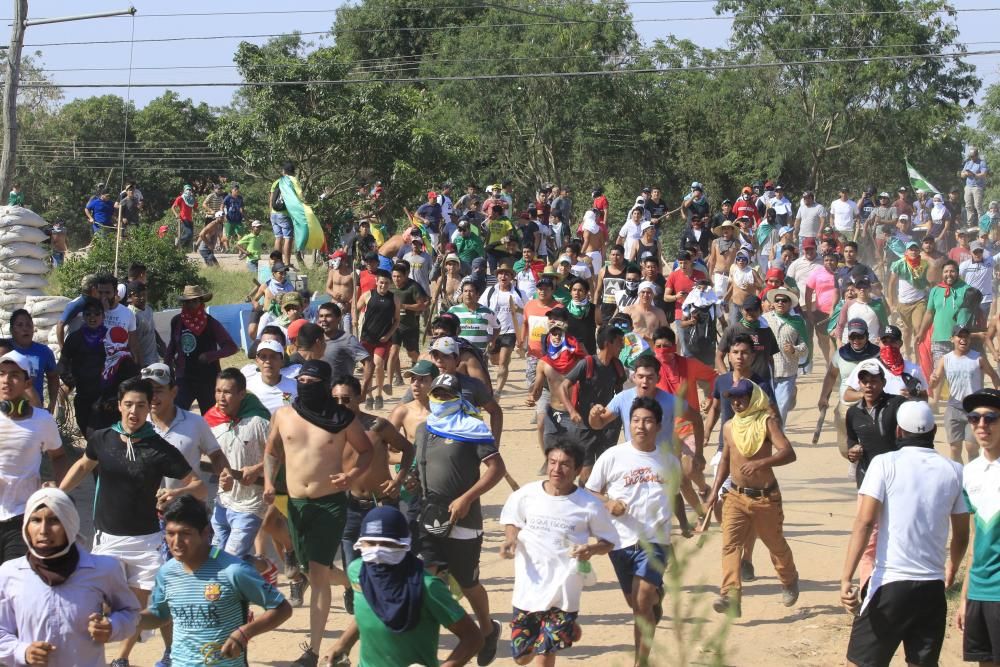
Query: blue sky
{"x":660,"y":21}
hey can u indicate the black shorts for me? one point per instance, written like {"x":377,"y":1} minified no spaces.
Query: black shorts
{"x":913,"y":613}
{"x":981,"y":642}
{"x":558,"y":427}
{"x":503,"y":340}
{"x":460,"y":558}
{"x":409,"y":339}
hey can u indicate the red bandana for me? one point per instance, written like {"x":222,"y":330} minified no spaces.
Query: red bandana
{"x":195,"y":321}
{"x":893,"y":359}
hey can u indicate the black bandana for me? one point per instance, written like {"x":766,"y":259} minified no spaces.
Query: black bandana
{"x":54,"y":571}
{"x":314,"y":402}
{"x":848,"y":353}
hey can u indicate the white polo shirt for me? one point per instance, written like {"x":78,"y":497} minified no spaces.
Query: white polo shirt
{"x":22,"y":442}
{"x":273,"y":397}
{"x":192,"y":436}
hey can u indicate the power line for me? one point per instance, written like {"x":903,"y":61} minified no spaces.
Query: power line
{"x":530,"y":75}
{"x":493,"y":26}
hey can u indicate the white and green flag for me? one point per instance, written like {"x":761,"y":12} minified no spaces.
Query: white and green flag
{"x":917,"y":181}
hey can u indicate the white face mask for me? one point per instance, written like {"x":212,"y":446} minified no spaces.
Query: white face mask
{"x":383,"y":555}
{"x":335,"y":263}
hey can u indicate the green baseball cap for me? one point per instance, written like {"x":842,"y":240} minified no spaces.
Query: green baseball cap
{"x":423,"y":368}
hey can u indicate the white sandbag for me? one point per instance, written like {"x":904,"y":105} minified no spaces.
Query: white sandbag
{"x":42,"y":336}
{"x":21,"y":234}
{"x":21,"y":249}
{"x":24,"y":265}
{"x":18,"y":215}
{"x":28,"y":283}
{"x":46,"y":321}
{"x":54,"y":340}
{"x":40,"y":305}
{"x":11,"y":300}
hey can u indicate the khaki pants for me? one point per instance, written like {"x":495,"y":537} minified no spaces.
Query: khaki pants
{"x":741,"y":515}
{"x":910,"y":317}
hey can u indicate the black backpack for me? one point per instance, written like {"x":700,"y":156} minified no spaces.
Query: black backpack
{"x":279,"y":201}
{"x":701,"y":338}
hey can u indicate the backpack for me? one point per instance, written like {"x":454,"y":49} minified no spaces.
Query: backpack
{"x":701,"y":338}
{"x":279,"y":201}
{"x":620,"y":377}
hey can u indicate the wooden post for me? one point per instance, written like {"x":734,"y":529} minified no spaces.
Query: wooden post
{"x":8,"y":158}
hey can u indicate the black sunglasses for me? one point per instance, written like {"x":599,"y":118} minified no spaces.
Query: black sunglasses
{"x":989,"y":418}
{"x":782,"y":299}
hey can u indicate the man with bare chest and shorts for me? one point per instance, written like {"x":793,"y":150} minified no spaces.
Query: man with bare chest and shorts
{"x":753,"y":445}
{"x":722,"y":255}
{"x":646,"y":317}
{"x":310,"y":438}
{"x":340,"y":287}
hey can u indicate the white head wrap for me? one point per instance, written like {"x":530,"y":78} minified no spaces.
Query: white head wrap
{"x":64,"y":509}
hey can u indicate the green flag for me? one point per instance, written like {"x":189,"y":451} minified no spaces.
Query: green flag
{"x":917,"y":181}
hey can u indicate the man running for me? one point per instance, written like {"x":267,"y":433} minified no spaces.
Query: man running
{"x":381,"y":308}
{"x":310,"y":437}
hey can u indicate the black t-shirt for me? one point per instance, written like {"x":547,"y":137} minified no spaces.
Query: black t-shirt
{"x":765,"y":346}
{"x":448,"y":468}
{"x":876,"y":436}
{"x":528,"y":232}
{"x":600,"y":388}
{"x":125,"y":501}
{"x":656,"y":209}
{"x":409,"y":320}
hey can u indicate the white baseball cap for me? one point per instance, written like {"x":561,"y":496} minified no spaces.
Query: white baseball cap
{"x":16,"y":357}
{"x":915,"y":417}
{"x":270,"y":344}
{"x":445,"y":345}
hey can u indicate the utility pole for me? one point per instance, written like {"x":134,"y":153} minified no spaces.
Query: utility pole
{"x":8,"y":158}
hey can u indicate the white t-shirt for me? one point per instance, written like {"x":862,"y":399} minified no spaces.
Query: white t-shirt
{"x":190,"y":434}
{"x":500,"y":303}
{"x":22,"y":442}
{"x":843,"y":213}
{"x":273,"y":397}
{"x":120,"y":316}
{"x":979,"y":275}
{"x":809,"y":219}
{"x":801,"y":269}
{"x":630,"y":231}
{"x":907,"y":293}
{"x":919,"y":490}
{"x":545,"y":575}
{"x":893,"y":383}
{"x":544,"y":234}
{"x":640,"y":480}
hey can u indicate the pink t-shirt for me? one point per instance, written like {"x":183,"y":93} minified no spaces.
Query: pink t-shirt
{"x":824,"y":284}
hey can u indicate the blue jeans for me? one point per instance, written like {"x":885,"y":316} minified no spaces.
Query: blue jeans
{"x":356,"y":513}
{"x":234,"y":531}
{"x":784,"y":392}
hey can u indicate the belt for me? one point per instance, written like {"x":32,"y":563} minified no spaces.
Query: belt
{"x":558,"y":416}
{"x":756,"y":493}
{"x":366,"y":504}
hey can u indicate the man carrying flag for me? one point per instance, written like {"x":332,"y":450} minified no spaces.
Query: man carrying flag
{"x":291,"y":217}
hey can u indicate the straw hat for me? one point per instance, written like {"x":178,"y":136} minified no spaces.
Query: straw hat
{"x":782,"y":291}
{"x":193,"y":292}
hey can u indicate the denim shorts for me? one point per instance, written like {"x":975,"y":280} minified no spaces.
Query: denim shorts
{"x":281,"y":225}
{"x":234,"y":531}
{"x":644,"y":561}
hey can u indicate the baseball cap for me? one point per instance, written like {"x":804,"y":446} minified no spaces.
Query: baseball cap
{"x":871,"y":367}
{"x":448,"y":382}
{"x":915,"y":417}
{"x":740,"y":389}
{"x":751,"y":303}
{"x":422,"y":368}
{"x":904,"y":217}
{"x":786,"y":230}
{"x":316,"y":368}
{"x":809,"y":242}
{"x":385,"y":524}
{"x":463,"y":224}
{"x":857,"y":325}
{"x":16,"y":357}
{"x":272,"y":345}
{"x":279,"y":267}
{"x":912,"y":244}
{"x":544,"y":282}
{"x":646,"y":224}
{"x":891,"y":331}
{"x":293,"y":328}
{"x":984,"y":398}
{"x":697,"y":186}
{"x":452,"y":258}
{"x":445,"y":345}
{"x":976,"y":246}
{"x":158,"y":373}
{"x":478,"y":263}
{"x":256,"y":223}
{"x":431,"y":196}
{"x":290,"y":298}
{"x":883,"y":194}
{"x":564,"y":259}
{"x":960,"y":330}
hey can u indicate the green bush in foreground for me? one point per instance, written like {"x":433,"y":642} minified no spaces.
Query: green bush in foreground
{"x":169,"y":268}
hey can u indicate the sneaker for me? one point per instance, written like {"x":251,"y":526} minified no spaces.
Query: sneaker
{"x":349,"y":601}
{"x":291,"y":565}
{"x":379,"y":402}
{"x":489,"y":651}
{"x":164,"y":660}
{"x":723,"y":604}
{"x":338,"y":660}
{"x":297,"y":590}
{"x":369,"y":403}
{"x":309,"y":658}
{"x":746,"y":571}
{"x":790,"y":595}
{"x":120,"y":662}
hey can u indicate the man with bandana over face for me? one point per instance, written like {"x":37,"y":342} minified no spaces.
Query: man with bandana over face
{"x":309,"y":437}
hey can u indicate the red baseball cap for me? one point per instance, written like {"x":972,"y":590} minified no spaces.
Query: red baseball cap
{"x":293,"y":328}
{"x":809,"y":242}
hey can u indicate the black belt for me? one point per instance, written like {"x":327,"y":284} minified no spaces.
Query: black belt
{"x":365,"y":504}
{"x":756,"y":493}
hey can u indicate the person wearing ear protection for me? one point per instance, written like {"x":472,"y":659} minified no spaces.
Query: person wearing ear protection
{"x":25,"y":433}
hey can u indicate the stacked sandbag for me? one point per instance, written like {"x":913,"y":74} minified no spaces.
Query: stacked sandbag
{"x":45,"y":311}
{"x":24,"y":266}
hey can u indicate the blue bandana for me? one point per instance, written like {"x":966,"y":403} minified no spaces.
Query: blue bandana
{"x":457,"y":419}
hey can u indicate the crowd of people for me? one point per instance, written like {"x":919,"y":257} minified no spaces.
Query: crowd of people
{"x":213,"y":481}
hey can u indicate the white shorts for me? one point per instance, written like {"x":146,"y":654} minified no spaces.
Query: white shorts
{"x":720,"y":283}
{"x":139,"y":556}
{"x":596,"y":261}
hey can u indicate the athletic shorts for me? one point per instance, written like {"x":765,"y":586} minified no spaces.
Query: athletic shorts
{"x":316,"y":526}
{"x":377,"y":349}
{"x":232,"y":229}
{"x":981,"y":642}
{"x":503,"y":340}
{"x":644,"y":561}
{"x":139,"y":556}
{"x":913,"y":613}
{"x":458,"y":557}
{"x":559,"y":427}
{"x":281,"y":225}
{"x":957,"y":426}
{"x":408,"y":339}
{"x":541,"y":632}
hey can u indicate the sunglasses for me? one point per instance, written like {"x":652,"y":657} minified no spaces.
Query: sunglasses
{"x":857,"y":336}
{"x":782,"y":299}
{"x":157,"y":373}
{"x":662,"y":346}
{"x":989,"y":418}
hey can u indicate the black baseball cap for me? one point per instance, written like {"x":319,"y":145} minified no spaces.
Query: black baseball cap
{"x":891,"y":331}
{"x":752,"y":303}
{"x":447,"y":382}
{"x":984,"y":398}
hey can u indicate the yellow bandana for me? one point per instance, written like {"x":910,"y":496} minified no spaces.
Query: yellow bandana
{"x":750,"y":426}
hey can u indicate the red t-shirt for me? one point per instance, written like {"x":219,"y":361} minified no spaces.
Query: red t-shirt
{"x":602,"y":204}
{"x":366,"y":281}
{"x":187,"y":212}
{"x":959,"y":254}
{"x":678,"y":282}
{"x":746,"y":208}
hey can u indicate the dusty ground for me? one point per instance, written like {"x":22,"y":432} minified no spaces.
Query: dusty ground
{"x":819,"y":506}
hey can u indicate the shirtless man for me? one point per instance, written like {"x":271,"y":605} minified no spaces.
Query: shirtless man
{"x":310,"y":437}
{"x":550,"y":374}
{"x":722,"y":256}
{"x":934,"y":257}
{"x":595,"y":237}
{"x":753,"y":445}
{"x":646,"y":318}
{"x":340,"y":287}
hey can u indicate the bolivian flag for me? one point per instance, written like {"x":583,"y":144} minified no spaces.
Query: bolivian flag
{"x":306,"y":229}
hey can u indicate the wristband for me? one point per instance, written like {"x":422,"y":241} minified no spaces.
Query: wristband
{"x":246,"y":640}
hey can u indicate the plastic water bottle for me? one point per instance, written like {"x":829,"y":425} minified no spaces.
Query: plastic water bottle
{"x":586,"y":572}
